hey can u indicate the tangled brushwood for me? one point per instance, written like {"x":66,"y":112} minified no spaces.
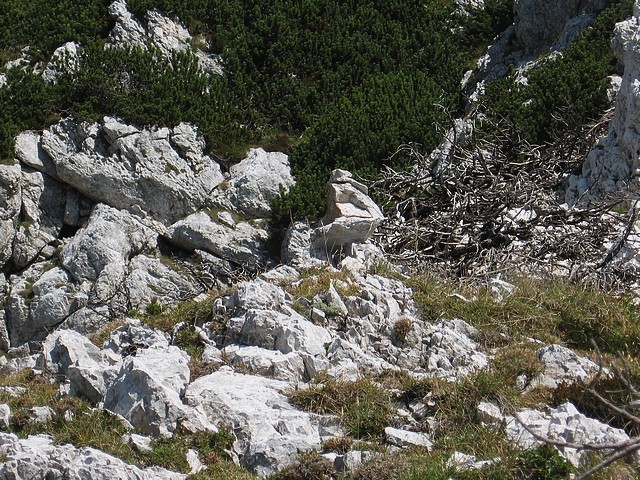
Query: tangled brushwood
{"x":487,"y":201}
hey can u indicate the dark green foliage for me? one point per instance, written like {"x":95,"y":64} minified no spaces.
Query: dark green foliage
{"x":44,"y":25}
{"x":544,"y":463}
{"x":565,"y":92}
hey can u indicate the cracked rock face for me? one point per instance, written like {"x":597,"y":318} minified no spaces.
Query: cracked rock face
{"x":143,"y":171}
{"x":613,"y":164}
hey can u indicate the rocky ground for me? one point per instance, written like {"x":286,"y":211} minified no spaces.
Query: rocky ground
{"x":143,"y":301}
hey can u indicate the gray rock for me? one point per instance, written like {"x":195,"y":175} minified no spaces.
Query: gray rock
{"x":5,"y":416}
{"x":610,"y":166}
{"x":351,"y":215}
{"x":126,"y":168}
{"x":162,"y":32}
{"x":65,"y":59}
{"x":566,"y":424}
{"x":278,"y":331}
{"x":540,"y":22}
{"x":451,"y":350}
{"x":563,"y":366}
{"x":297,"y":250}
{"x":269,"y":430}
{"x":256,"y":180}
{"x":103,"y":247}
{"x":37,"y":457}
{"x":41,"y":414}
{"x":489,"y":414}
{"x":242,"y":244}
{"x":148,"y":388}
{"x":274,"y":364}
{"x":139,"y":442}
{"x":405,"y":438}
{"x":258,"y":295}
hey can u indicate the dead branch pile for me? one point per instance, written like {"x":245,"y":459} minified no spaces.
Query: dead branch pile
{"x":491,"y":203}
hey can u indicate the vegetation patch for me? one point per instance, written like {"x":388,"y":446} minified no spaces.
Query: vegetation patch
{"x":364,"y":405}
{"x":552,"y":310}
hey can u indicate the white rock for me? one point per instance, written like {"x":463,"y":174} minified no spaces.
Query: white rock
{"x":148,"y":388}
{"x":279,"y":331}
{"x":269,"y":430}
{"x":41,"y":414}
{"x":5,"y":416}
{"x":566,"y":424}
{"x":405,"y":438}
{"x":242,"y":244}
{"x":563,"y":366}
{"x":194,"y":462}
{"x":489,"y":414}
{"x":351,"y":215}
{"x":37,"y":457}
{"x":256,"y":180}
{"x":65,"y":59}
{"x":139,"y":442}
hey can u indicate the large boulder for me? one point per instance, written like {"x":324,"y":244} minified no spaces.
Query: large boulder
{"x":270,"y":432}
{"x":256,"y":180}
{"x":148,"y":388}
{"x":351,"y":215}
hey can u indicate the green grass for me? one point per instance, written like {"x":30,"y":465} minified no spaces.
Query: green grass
{"x":552,"y":310}
{"x":364,"y":405}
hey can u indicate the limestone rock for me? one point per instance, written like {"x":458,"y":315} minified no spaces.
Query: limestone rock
{"x":612,"y":165}
{"x":65,"y":59}
{"x":563,"y":366}
{"x":242,"y":244}
{"x":564,"y":423}
{"x":37,"y":457}
{"x":274,"y":364}
{"x":351,"y":215}
{"x":297,"y":249}
{"x":126,"y":168}
{"x":110,"y":238}
{"x":5,"y":417}
{"x":148,"y":388}
{"x":269,"y":430}
{"x":278,"y":331}
{"x":256,"y":180}
{"x":405,"y":438}
{"x":160,"y":31}
{"x":452,"y":350}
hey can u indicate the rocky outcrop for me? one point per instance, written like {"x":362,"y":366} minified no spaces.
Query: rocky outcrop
{"x":146,"y":172}
{"x":38,"y":457}
{"x":613,"y":164}
{"x":270,"y":431}
{"x":160,"y":31}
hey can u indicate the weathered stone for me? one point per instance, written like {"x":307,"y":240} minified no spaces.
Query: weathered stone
{"x":139,"y":442}
{"x":41,"y":414}
{"x":242,"y":244}
{"x":297,"y":250}
{"x":566,"y":424}
{"x":274,"y":364}
{"x":563,"y":366}
{"x":160,"y":31}
{"x":148,"y":388}
{"x":38,"y":457}
{"x":278,"y":331}
{"x":126,"y":168}
{"x":351,"y":215}
{"x":65,"y":59}
{"x":256,"y":180}
{"x":5,"y":416}
{"x":405,"y":438}
{"x":269,"y":430}
{"x":612,"y":164}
